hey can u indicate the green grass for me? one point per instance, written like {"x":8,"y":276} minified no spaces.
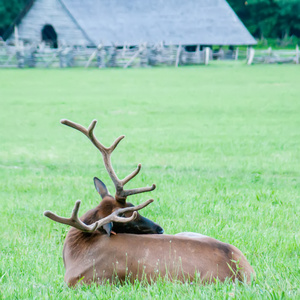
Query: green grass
{"x":278,"y":44}
{"x":221,"y":142}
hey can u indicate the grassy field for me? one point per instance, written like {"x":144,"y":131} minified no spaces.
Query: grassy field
{"x":221,"y":143}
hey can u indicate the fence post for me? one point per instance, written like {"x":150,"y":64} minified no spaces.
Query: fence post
{"x":269,"y":51}
{"x":144,"y":55}
{"x":236,"y":53}
{"x":31,"y":58}
{"x":93,"y":55}
{"x":20,"y":54}
{"x":206,"y":55}
{"x":61,"y":59}
{"x":251,"y":56}
{"x":178,"y":56}
{"x":198,"y":55}
{"x":101,"y":58}
{"x":297,"y":54}
{"x":20,"y":58}
{"x":113,"y":57}
{"x":69,"y":58}
{"x":16,"y":33}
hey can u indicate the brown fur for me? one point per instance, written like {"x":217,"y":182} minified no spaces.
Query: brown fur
{"x":96,"y":257}
{"x":148,"y":256}
{"x":78,"y":240}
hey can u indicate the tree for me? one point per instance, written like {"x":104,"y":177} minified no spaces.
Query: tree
{"x":9,"y":10}
{"x":289,"y":18}
{"x":269,"y":18}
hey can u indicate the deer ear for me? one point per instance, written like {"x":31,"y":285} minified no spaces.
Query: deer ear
{"x":101,"y":188}
{"x":108,"y":227}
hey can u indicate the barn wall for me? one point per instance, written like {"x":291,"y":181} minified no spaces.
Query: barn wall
{"x":50,"y":12}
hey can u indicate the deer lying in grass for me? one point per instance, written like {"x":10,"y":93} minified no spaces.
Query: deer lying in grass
{"x":114,"y":241}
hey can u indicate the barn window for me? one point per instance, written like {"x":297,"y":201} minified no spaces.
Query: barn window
{"x":49,"y":36}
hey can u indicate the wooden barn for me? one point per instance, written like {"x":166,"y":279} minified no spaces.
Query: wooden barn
{"x":130,"y":22}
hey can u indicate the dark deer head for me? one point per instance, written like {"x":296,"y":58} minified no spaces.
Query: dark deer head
{"x":113,"y":214}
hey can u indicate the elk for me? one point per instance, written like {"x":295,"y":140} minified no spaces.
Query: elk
{"x":114,"y":241}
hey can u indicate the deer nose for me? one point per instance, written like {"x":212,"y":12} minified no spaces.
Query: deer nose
{"x":159,"y":230}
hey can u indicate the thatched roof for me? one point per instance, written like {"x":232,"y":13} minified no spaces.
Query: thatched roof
{"x":205,"y":22}
{"x":186,"y":22}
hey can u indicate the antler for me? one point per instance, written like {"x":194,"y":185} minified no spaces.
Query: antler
{"x":74,"y":221}
{"x":121,"y":194}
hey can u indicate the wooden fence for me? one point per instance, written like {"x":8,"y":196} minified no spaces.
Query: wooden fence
{"x":41,"y":56}
{"x":271,"y":56}
{"x":101,"y":57}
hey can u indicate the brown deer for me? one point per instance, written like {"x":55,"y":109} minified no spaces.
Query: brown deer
{"x":114,"y":241}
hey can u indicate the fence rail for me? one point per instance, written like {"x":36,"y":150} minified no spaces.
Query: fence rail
{"x":41,"y":56}
{"x":271,"y":56}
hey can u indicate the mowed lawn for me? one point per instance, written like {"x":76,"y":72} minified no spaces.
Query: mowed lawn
{"x":222,"y":144}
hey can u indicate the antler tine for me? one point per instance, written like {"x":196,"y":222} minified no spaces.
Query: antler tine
{"x":121,"y":194}
{"x":134,"y":208}
{"x":138,"y":190}
{"x":74,"y":221}
{"x":113,"y":217}
{"x":89,"y":132}
{"x":106,"y":152}
{"x":132,"y":175}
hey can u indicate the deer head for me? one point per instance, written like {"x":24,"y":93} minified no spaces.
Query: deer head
{"x":113,"y":214}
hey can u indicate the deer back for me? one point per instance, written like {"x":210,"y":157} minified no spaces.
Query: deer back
{"x":148,"y":257}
